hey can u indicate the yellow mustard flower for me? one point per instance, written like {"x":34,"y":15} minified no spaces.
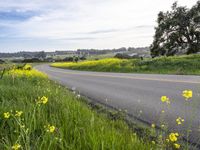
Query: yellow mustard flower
{"x":179,"y":120}
{"x":50,"y":128}
{"x":165,"y":99}
{"x":44,"y":100}
{"x":173,"y":137}
{"x":153,"y":125}
{"x":6,"y":115}
{"x":16,"y":146}
{"x":167,"y":140}
{"x":177,"y":146}
{"x":187,"y":94}
{"x":18,"y":113}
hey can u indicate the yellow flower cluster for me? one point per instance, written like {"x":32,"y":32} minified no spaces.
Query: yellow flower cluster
{"x":50,"y":128}
{"x":177,"y":146}
{"x":179,"y":120}
{"x":18,"y":113}
{"x":16,"y":146}
{"x":165,"y":99}
{"x":42,"y":100}
{"x":103,"y":62}
{"x":173,"y":137}
{"x":6,"y":115}
{"x":27,"y":73}
{"x":187,"y":94}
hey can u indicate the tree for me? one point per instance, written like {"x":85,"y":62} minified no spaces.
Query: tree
{"x":178,"y":30}
{"x":41,"y":54}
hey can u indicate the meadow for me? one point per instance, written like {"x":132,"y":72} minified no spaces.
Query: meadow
{"x":36,"y":113}
{"x":179,"y":65}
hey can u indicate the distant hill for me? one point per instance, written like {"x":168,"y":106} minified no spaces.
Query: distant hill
{"x":26,"y":54}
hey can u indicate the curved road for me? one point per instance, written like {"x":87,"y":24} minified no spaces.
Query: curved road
{"x":139,"y":94}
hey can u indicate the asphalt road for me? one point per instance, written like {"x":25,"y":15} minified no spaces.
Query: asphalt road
{"x":139,"y":94}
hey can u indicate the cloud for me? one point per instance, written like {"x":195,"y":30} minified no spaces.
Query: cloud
{"x":79,"y":23}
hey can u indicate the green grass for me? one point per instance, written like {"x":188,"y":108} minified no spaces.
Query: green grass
{"x":77,"y":125}
{"x":164,"y":65}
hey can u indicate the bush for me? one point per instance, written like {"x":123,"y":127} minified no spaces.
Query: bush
{"x":1,"y":61}
{"x":31,"y":60}
{"x":122,"y":56}
{"x":68,"y":59}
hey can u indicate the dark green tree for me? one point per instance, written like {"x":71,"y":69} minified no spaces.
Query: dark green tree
{"x":178,"y":30}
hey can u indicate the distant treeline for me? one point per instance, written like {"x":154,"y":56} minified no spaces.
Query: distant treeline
{"x":42,"y":54}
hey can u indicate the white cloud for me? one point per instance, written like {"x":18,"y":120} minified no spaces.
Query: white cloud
{"x":85,"y":23}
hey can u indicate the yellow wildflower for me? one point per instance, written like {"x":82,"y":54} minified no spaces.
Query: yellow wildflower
{"x":18,"y":113}
{"x":177,"y":146}
{"x":163,"y":111}
{"x":153,"y":125}
{"x":16,"y":146}
{"x":179,"y":120}
{"x":51,"y":128}
{"x":173,"y":137}
{"x":165,"y":99}
{"x":187,"y":94}
{"x":44,"y":100}
{"x":6,"y":115}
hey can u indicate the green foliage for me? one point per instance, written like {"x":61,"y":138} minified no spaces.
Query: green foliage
{"x":76,"y":125}
{"x":178,"y":31}
{"x":166,"y":65}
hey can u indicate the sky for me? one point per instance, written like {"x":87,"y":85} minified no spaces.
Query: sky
{"x":35,"y":25}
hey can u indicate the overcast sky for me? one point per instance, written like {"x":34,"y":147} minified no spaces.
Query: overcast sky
{"x":71,"y":24}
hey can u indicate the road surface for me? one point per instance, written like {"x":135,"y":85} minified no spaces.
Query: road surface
{"x":139,"y":94}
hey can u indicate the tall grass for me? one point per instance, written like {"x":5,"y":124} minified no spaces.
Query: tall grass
{"x":163,"y":65}
{"x":36,"y":113}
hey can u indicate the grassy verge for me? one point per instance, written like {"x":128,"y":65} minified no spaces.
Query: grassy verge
{"x":36,"y":113}
{"x":164,"y":65}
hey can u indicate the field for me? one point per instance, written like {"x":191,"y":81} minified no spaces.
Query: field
{"x":36,"y":113}
{"x":188,"y":64}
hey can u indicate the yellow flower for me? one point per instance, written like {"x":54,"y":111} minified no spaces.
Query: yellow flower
{"x":163,"y":111}
{"x":51,"y":128}
{"x":6,"y":115}
{"x":187,"y":94}
{"x":18,"y":113}
{"x":44,"y":100}
{"x":153,"y":125}
{"x":167,"y":140}
{"x":177,"y":146}
{"x":162,"y":125}
{"x":16,"y":146}
{"x":165,"y":99}
{"x":173,"y":137}
{"x":179,"y":120}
